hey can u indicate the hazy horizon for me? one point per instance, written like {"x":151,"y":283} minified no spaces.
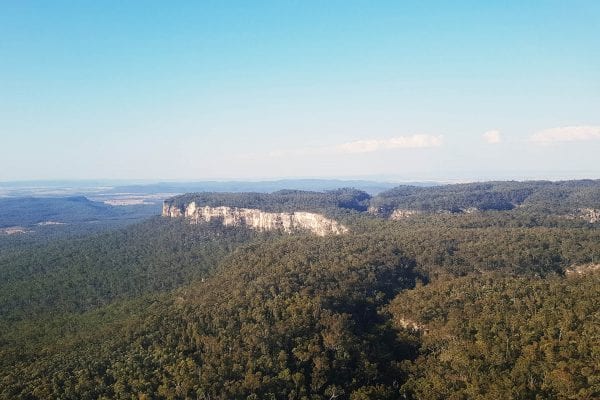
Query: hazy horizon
{"x":429,"y":91}
{"x":341,"y":179}
{"x":527,"y":176}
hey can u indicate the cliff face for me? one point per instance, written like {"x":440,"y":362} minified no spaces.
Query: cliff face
{"x":257,"y":219}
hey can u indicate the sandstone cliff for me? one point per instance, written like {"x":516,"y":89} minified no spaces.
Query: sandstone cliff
{"x":257,"y":219}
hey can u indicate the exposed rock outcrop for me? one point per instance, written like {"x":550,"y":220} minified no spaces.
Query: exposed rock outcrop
{"x":409,"y":324}
{"x":591,"y":215}
{"x":14,"y":230}
{"x":399,"y":214}
{"x":393,"y":214}
{"x":584,"y":269}
{"x":374,"y":210}
{"x":257,"y":219}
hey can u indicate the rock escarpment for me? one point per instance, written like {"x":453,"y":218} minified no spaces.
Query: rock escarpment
{"x":257,"y":219}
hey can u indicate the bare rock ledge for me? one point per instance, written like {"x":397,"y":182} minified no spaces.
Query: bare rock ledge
{"x":257,"y":219}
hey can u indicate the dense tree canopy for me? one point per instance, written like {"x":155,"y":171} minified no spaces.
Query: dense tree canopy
{"x":498,"y":337}
{"x":534,"y":195}
{"x":75,"y":275}
{"x":436,"y":306}
{"x":280,"y":201}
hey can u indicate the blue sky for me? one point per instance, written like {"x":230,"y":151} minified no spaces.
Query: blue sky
{"x":257,"y":90}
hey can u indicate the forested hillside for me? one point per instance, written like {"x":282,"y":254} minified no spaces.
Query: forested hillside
{"x":539,"y":196}
{"x":280,"y":201}
{"x":31,"y":221}
{"x":76,"y":275}
{"x":436,"y":306}
{"x":502,"y":337}
{"x":28,"y":211}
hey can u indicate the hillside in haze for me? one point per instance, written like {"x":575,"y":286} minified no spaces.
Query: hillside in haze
{"x":31,"y":211}
{"x":115,"y":189}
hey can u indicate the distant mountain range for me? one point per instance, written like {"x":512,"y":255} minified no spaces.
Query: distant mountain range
{"x":107,"y":188}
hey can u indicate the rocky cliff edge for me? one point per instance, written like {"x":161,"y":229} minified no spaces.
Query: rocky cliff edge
{"x":257,"y":219}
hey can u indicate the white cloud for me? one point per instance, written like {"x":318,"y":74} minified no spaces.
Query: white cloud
{"x":365,"y":146}
{"x":399,"y":142}
{"x":492,"y":137}
{"x":566,"y":134}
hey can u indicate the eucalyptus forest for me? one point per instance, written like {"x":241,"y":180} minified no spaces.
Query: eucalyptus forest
{"x":468,"y":291}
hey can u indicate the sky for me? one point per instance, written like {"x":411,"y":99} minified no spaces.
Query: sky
{"x":388,"y":90}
